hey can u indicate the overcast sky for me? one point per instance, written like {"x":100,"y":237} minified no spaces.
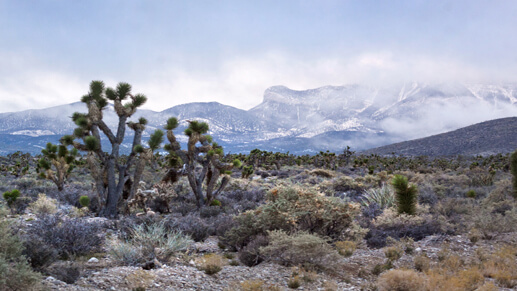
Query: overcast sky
{"x":177,"y":52}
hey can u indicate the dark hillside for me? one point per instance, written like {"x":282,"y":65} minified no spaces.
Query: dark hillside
{"x":485,"y":138}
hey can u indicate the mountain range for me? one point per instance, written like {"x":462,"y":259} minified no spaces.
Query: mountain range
{"x":301,"y":122}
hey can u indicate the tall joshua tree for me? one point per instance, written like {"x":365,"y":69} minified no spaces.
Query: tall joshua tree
{"x":110,"y":172}
{"x":200,"y":151}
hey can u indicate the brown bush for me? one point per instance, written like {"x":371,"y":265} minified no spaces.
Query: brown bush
{"x":401,"y":280}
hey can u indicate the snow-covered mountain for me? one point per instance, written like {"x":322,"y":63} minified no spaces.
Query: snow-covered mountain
{"x":307,"y":121}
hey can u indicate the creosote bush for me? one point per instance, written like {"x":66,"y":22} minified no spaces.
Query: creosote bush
{"x":69,"y":236}
{"x":293,"y":209}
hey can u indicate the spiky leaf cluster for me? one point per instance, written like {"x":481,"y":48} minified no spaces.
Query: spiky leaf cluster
{"x":405,"y":195}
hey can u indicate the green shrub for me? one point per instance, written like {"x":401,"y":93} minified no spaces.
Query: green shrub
{"x":11,"y":196}
{"x":215,"y":202}
{"x":291,"y":210}
{"x":84,"y":201}
{"x":405,"y":195}
{"x":15,"y":272}
{"x":471,"y":194}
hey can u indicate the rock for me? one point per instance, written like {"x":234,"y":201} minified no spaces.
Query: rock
{"x":93,"y":260}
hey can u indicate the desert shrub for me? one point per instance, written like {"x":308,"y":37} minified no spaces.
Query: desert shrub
{"x":293,"y":209}
{"x":11,"y":196}
{"x":391,"y":224}
{"x":346,"y":248}
{"x":70,"y":237}
{"x":184,"y":208}
{"x":301,"y":248}
{"x":15,"y":272}
{"x":250,"y":254}
{"x":294,"y":282}
{"x":192,"y":225}
{"x":126,"y":254}
{"x":401,"y":280}
{"x":422,"y":263}
{"x":491,"y":223}
{"x":39,"y":254}
{"x":502,"y":266}
{"x":384,"y":197}
{"x":211,"y":263}
{"x":322,"y":173}
{"x":147,"y":242}
{"x":405,"y":195}
{"x":426,"y":195}
{"x":84,"y":201}
{"x":471,"y":194}
{"x":210,"y":211}
{"x":393,"y":253}
{"x":68,"y":272}
{"x":43,"y":205}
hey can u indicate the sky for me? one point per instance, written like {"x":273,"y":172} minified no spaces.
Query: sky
{"x":177,"y":52}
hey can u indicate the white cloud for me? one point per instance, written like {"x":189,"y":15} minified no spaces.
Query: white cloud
{"x":237,"y":81}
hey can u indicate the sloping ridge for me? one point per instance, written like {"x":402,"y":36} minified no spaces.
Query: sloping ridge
{"x":485,"y":138}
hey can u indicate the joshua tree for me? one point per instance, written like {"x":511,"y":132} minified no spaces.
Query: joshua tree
{"x":208,"y":155}
{"x":58,"y":162}
{"x":405,"y":195}
{"x":110,"y":172}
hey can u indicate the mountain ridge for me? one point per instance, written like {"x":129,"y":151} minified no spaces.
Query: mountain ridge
{"x":324,"y":118}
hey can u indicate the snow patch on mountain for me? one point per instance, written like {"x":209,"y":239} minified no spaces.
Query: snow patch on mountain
{"x":33,"y":133}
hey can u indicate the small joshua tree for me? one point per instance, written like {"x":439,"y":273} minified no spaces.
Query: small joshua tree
{"x":57,"y":163}
{"x":405,"y":195}
{"x":513,"y":169}
{"x":110,"y":172}
{"x":10,"y":197}
{"x":208,"y":155}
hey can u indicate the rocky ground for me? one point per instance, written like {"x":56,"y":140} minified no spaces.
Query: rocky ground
{"x":181,"y":273}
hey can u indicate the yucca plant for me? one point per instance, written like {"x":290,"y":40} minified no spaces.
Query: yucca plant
{"x":383,"y":197}
{"x":405,"y":195}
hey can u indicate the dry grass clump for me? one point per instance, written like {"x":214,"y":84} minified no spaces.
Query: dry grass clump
{"x":502,"y":266}
{"x":211,"y":263}
{"x":300,"y":249}
{"x":323,"y":173}
{"x":253,"y":285}
{"x":346,"y":248}
{"x":401,"y":280}
{"x":43,"y":205}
